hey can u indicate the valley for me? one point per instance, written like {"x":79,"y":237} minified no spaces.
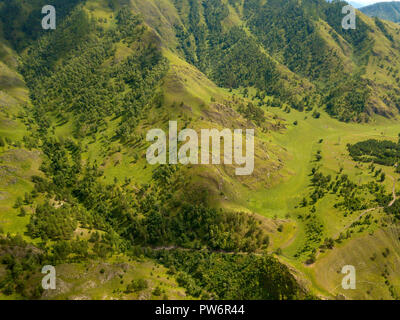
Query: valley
{"x":77,"y":191}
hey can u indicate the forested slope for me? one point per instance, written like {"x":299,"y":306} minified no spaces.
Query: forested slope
{"x":96,"y":84}
{"x":76,"y":104}
{"x":287,"y":45}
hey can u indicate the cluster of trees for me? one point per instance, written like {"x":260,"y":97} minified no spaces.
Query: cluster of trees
{"x":320,"y":183}
{"x":51,"y":223}
{"x":219,"y":52}
{"x":379,"y":23}
{"x":382,"y":152}
{"x":347,"y":99}
{"x":394,"y":209}
{"x":166,"y":216}
{"x":142,"y":214}
{"x":358,"y":38}
{"x":136,"y":216}
{"x":148,"y":215}
{"x":19,"y":263}
{"x":21,"y":19}
{"x":84,"y":84}
{"x":136,"y":286}
{"x":233,"y":277}
{"x":197,"y":226}
{"x":348,"y":191}
{"x":314,"y":235}
{"x":288,"y":32}
{"x":350,"y":199}
{"x":73,"y":75}
{"x":252,"y":112}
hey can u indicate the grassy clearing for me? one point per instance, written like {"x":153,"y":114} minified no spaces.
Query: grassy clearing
{"x":302,"y":142}
{"x":99,"y":280}
{"x":17,"y":164}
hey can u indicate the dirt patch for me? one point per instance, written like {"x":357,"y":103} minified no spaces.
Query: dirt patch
{"x":4,"y":195}
{"x":20,"y":155}
{"x":87,"y":285}
{"x":62,"y":287}
{"x":8,"y":123}
{"x":6,"y":100}
{"x":80,"y":297}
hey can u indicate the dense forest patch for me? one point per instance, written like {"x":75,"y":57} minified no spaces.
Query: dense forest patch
{"x":382,"y":152}
{"x":231,"y":277}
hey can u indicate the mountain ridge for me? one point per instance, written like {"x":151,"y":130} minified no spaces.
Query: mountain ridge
{"x":383,"y":10}
{"x":78,"y":189}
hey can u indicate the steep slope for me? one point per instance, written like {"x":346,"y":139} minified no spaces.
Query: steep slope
{"x":353,"y":77}
{"x":283,"y":56}
{"x":83,"y":97}
{"x":97,"y":84}
{"x":18,"y":161}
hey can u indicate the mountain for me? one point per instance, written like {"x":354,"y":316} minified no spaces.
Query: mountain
{"x":317,"y":52}
{"x":353,"y":3}
{"x":383,"y":10}
{"x":356,"y":4}
{"x":77,"y":191}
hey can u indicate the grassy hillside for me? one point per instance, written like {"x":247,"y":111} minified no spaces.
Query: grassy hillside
{"x":76,"y":189}
{"x":18,"y":163}
{"x":364,"y":57}
{"x":97,"y":84}
{"x":312,"y":61}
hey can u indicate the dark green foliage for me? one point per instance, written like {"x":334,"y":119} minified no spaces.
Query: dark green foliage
{"x":252,"y":113}
{"x":394,"y":209}
{"x":20,"y":264}
{"x":231,"y":277}
{"x":350,"y":198}
{"x":188,"y":222}
{"x":74,"y":75}
{"x":233,"y":69}
{"x":82,"y":85}
{"x":21,"y":19}
{"x":157,"y":291}
{"x":51,"y":223}
{"x":137,"y":285}
{"x":314,"y":234}
{"x":357,"y":37}
{"x":64,"y":162}
{"x":316,"y":115}
{"x":287,"y":30}
{"x":381,"y":152}
{"x":23,"y":263}
{"x":347,"y":99}
{"x":219,"y":53}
